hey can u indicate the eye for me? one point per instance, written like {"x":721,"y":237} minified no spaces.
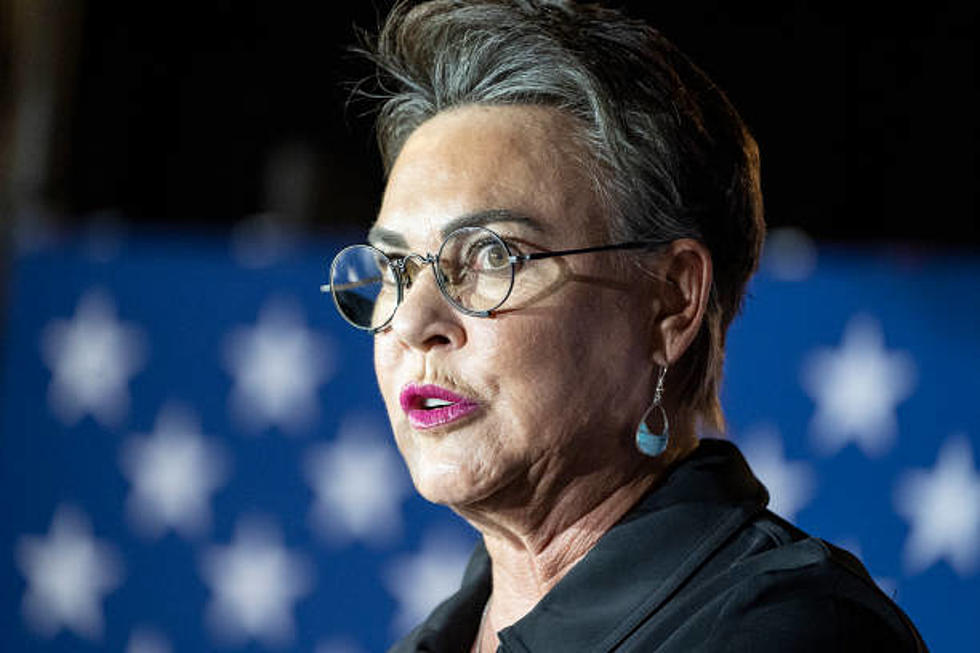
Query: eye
{"x":384,"y":263}
{"x":489,"y":255}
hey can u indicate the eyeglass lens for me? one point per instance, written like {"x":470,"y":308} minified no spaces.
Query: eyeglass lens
{"x":473,"y":269}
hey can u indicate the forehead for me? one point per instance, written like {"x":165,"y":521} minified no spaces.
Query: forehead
{"x":518,"y":160}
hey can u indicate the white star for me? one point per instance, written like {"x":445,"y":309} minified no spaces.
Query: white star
{"x":173,"y":472}
{"x":790,"y":254}
{"x":943,"y":510}
{"x":277,"y":366}
{"x":337,"y":645}
{"x":790,"y":484}
{"x":263,"y":240}
{"x":104,"y":236}
{"x":67,"y":573}
{"x":421,"y":581}
{"x":360,"y":483}
{"x":254,"y":582}
{"x":147,"y":640}
{"x":92,"y":357}
{"x":857,"y":389}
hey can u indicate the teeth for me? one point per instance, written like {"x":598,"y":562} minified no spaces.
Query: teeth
{"x":432,"y":402}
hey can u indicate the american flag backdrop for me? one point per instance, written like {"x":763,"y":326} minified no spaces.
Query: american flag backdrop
{"x":194,"y":454}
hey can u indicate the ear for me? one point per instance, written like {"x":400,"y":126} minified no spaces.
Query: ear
{"x":685,"y":265}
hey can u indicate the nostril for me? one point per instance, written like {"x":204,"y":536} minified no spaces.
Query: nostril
{"x":437,"y":340}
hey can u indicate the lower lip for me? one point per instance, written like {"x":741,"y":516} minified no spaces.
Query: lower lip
{"x":434,"y":417}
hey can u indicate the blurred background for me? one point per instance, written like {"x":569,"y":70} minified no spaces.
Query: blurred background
{"x":193,"y":454}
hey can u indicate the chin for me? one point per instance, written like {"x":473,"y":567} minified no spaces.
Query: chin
{"x":452,"y":468}
{"x":441,"y":484}
{"x":449,"y":482}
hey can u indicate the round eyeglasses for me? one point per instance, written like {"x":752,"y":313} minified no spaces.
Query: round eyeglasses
{"x":475,"y":270}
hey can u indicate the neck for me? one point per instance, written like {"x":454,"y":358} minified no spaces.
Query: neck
{"x":532,"y":549}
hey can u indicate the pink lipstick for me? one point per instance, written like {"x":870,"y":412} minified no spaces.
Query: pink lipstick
{"x":429,"y":406}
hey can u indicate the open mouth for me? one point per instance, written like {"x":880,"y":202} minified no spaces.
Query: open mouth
{"x":429,"y":406}
{"x":431,"y":402}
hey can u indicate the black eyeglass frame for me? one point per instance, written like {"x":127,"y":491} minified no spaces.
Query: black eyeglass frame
{"x":398,"y":267}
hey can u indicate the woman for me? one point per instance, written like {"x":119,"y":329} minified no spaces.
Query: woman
{"x":571,"y":215}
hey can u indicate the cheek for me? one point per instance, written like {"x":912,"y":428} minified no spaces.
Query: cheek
{"x":385,"y":362}
{"x":385,"y":371}
{"x":537,"y":363}
{"x":386,"y":365}
{"x":575,"y":364}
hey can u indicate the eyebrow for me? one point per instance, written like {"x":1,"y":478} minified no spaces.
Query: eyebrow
{"x":382,"y":236}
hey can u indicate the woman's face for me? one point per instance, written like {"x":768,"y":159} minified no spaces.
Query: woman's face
{"x":552,"y":386}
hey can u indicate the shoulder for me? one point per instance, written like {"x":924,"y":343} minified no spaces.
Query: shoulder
{"x":783,"y":590}
{"x":452,"y":625}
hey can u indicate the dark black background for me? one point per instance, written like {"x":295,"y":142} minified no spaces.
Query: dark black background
{"x":866,"y":122}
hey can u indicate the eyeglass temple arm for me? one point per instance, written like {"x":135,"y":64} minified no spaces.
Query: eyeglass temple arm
{"x":326,"y":287}
{"x":534,"y":256}
{"x":636,"y":244}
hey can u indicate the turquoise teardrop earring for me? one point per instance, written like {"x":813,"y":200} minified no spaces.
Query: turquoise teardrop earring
{"x":648,"y":442}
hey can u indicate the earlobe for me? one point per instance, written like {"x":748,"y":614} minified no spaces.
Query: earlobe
{"x":686,"y":266}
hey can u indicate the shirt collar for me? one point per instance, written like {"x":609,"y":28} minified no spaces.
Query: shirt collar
{"x":629,"y":573}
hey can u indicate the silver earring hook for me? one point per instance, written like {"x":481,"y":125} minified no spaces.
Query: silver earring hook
{"x":658,"y":393}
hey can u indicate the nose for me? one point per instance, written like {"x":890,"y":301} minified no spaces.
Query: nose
{"x":425,"y":319}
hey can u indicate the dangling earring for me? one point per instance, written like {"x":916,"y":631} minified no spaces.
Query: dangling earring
{"x":648,"y":442}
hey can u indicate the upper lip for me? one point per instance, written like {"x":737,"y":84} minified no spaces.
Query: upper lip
{"x":413,"y":396}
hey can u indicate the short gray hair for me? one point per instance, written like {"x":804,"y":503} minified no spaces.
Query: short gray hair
{"x":669,"y":156}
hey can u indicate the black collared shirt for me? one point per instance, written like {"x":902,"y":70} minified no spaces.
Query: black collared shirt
{"x":698,"y":564}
